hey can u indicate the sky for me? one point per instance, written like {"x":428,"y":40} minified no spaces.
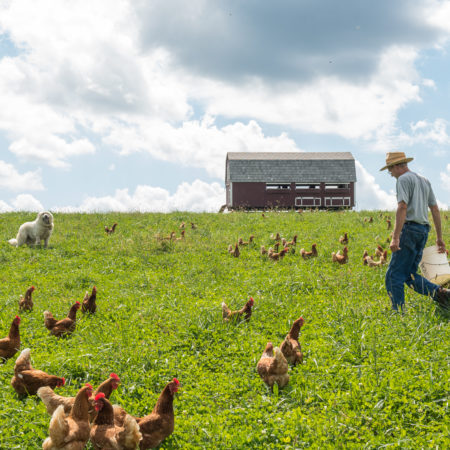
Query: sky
{"x":132,"y":105}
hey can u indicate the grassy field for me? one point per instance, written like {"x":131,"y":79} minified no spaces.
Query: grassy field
{"x":370,"y":379}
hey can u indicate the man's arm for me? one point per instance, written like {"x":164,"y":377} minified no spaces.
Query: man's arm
{"x":437,"y":224}
{"x":400,"y":217}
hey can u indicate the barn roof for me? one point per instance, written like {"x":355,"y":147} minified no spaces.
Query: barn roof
{"x":298,"y":167}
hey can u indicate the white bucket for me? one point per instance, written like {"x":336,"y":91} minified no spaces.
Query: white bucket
{"x":434,"y":266}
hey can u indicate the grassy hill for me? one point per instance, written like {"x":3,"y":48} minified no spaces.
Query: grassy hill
{"x":370,"y":378}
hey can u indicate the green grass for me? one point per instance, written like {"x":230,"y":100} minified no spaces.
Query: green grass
{"x":371,"y":378}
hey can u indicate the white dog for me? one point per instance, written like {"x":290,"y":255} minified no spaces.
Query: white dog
{"x":32,"y":233}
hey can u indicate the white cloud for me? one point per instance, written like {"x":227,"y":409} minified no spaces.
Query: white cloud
{"x":51,"y":150}
{"x":4,"y":207}
{"x":89,"y":72}
{"x":11,"y":179}
{"x":325,"y":105}
{"x":429,"y":83}
{"x":26,"y":202}
{"x":445,"y":178}
{"x":197,"y":197}
{"x":196,"y":143}
{"x":369,"y":195}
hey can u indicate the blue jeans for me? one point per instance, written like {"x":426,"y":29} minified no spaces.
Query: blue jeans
{"x":404,"y":263}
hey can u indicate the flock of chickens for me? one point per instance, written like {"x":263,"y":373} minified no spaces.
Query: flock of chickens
{"x":89,"y":415}
{"x":274,"y":362}
{"x":274,"y":253}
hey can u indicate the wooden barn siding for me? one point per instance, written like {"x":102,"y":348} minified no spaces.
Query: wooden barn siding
{"x":255,"y":195}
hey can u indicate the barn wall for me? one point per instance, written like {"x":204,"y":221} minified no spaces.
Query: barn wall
{"x":255,"y":195}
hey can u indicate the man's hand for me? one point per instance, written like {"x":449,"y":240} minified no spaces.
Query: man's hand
{"x":440,"y":245}
{"x":395,"y":245}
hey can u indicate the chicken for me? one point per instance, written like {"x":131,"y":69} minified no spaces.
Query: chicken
{"x":26,"y":303}
{"x":344,"y":239}
{"x":275,"y":237}
{"x":10,"y":345}
{"x":27,"y":381}
{"x":110,"y":230}
{"x":388,"y":221}
{"x":290,"y":347}
{"x":193,"y":226}
{"x":365,"y":255}
{"x":170,"y":237}
{"x":108,"y":436}
{"x":236,"y":252}
{"x":312,"y":254}
{"x":250,"y":240}
{"x":181,"y":236}
{"x":379,"y":251}
{"x":237,"y":316}
{"x":64,"y":326}
{"x":160,"y":423}
{"x":293,"y":242}
{"x":341,"y":259}
{"x":52,"y":400}
{"x":273,"y":367}
{"x":371,"y":263}
{"x":277,"y":256}
{"x":89,"y":304}
{"x":70,"y":432}
{"x":263,"y":250}
{"x":182,"y":225}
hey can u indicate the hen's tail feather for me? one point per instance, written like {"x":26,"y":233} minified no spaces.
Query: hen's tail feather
{"x":23,"y":362}
{"x":131,"y":435}
{"x":225,"y":310}
{"x":58,"y":427}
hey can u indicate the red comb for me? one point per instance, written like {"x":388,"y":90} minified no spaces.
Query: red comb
{"x":63,"y":381}
{"x":176,"y":381}
{"x":114,"y":376}
{"x":77,"y":302}
{"x":89,"y":386}
{"x":32,"y":287}
{"x":17,"y":317}
{"x":99,"y":396}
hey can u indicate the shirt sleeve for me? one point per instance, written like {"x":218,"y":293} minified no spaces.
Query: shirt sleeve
{"x":431,"y":198}
{"x":403,"y":191}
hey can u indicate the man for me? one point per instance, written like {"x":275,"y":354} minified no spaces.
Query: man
{"x":414,"y":197}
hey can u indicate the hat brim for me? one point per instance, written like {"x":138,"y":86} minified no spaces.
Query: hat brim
{"x":394,"y":163}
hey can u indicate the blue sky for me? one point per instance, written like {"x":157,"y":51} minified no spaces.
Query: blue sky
{"x":124,"y":105}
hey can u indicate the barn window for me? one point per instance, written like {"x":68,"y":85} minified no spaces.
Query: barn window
{"x":336,"y":186}
{"x":337,"y":201}
{"x":307,"y":201}
{"x":306,"y":186}
{"x":277,"y":186}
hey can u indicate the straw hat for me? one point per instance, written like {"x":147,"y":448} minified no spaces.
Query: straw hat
{"x":394,"y":158}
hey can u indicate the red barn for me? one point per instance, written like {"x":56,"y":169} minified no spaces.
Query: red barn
{"x":290,"y":180}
